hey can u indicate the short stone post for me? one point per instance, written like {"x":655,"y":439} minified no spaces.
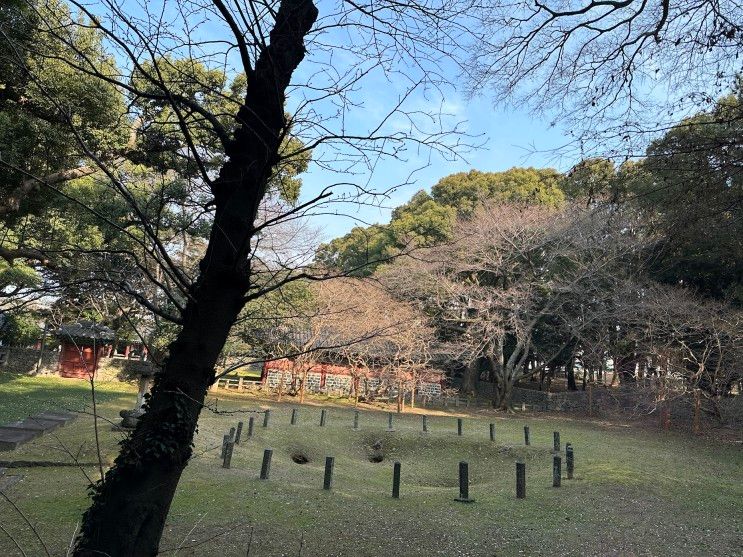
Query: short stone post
{"x":266,"y":464}
{"x":328,"y":480}
{"x":322,"y":417}
{"x":492,"y":432}
{"x":464,"y":483}
{"x":226,"y":439}
{"x":356,"y":420}
{"x":266,"y":416}
{"x":459,"y":426}
{"x":569,"y":459}
{"x":227,"y":458}
{"x":520,"y":480}
{"x":389,"y":422}
{"x":232,"y":433}
{"x":251,"y":423}
{"x":526,"y":435}
{"x":425,"y":423}
{"x":396,"y":480}
{"x":294,"y":416}
{"x":556,"y":441}
{"x":556,"y":470}
{"x":238,"y":433}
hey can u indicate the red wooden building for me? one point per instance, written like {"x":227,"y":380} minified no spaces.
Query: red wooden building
{"x":82,"y":345}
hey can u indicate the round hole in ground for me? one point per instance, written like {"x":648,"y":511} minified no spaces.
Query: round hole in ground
{"x":299,"y":457}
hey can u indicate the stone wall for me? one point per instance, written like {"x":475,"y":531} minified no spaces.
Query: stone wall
{"x":24,"y":360}
{"x":629,"y":401}
{"x":341,"y":384}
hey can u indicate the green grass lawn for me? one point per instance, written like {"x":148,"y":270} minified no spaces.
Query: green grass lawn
{"x":636,"y":492}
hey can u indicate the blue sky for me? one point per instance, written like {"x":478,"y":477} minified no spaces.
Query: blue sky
{"x":512,"y":137}
{"x":509,"y":137}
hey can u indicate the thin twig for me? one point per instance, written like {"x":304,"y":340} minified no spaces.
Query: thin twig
{"x":27,"y":521}
{"x":13,"y":540}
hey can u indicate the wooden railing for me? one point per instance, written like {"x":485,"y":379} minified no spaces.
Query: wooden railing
{"x":236,"y":383}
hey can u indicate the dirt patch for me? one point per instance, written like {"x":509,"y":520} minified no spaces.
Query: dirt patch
{"x":299,"y":457}
{"x":375,"y":451}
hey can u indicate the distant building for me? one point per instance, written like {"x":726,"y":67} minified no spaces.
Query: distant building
{"x":83,"y":345}
{"x":347,"y":379}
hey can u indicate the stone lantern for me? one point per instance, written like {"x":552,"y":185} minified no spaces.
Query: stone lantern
{"x":145,"y":373}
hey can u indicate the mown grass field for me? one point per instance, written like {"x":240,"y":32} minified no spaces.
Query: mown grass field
{"x":636,"y":492}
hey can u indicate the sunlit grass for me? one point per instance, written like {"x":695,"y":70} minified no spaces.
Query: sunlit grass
{"x":636,"y":492}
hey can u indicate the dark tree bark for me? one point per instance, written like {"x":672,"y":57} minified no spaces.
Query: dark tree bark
{"x":129,"y":509}
{"x":570,"y":371}
{"x":625,"y":368}
{"x":470,"y":377}
{"x":502,"y":394}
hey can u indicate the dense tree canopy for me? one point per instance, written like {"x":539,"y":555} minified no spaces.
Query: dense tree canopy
{"x":690,"y":188}
{"x":427,"y":220}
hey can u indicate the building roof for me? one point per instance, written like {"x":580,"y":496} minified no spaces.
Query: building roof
{"x":85,"y":330}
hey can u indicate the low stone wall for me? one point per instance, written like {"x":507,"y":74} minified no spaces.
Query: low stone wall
{"x":341,"y":384}
{"x":24,"y":360}
{"x":627,"y":401}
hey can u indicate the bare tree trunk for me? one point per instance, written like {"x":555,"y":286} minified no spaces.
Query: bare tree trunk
{"x":469,"y":379}
{"x":585,"y":376}
{"x":570,"y":372}
{"x":502,"y":389}
{"x":503,"y":393}
{"x":129,"y":508}
{"x":697,"y":411}
{"x":303,"y":383}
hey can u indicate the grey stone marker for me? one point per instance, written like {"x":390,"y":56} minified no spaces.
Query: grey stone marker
{"x":266,"y":464}
{"x":569,"y":463}
{"x":396,"y":480}
{"x":520,"y":480}
{"x":492,"y":432}
{"x":232,"y":433}
{"x":526,"y":435}
{"x":459,"y":426}
{"x":251,"y":424}
{"x":556,"y":470}
{"x":294,"y":416}
{"x":464,"y":483}
{"x":556,"y":441}
{"x":11,"y":438}
{"x":227,"y":458}
{"x":356,"y":419}
{"x":225,"y":441}
{"x":327,"y":482}
{"x":389,"y":422}
{"x":266,"y":416}
{"x":425,"y":423}
{"x":57,"y":415}
{"x":35,"y":424}
{"x":238,"y":433}
{"x":323,"y":415}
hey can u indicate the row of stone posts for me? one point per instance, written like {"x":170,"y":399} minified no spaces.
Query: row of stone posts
{"x":464,"y":482}
{"x":294,"y":420}
{"x":235,"y":436}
